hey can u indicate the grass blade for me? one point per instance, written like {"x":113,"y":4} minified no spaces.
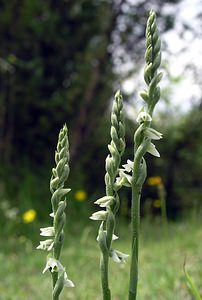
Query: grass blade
{"x":191,"y":284}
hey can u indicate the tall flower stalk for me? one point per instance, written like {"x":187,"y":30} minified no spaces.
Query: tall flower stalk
{"x":55,"y":233}
{"x":111,"y":200}
{"x":142,"y":140}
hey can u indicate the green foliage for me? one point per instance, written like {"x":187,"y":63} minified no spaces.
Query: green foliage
{"x":182,"y":154}
{"x":52,"y":57}
{"x":166,"y":282}
{"x":58,"y":63}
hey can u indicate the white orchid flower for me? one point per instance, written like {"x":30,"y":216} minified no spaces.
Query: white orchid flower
{"x":52,"y":265}
{"x":105,"y":201}
{"x":114,"y":236}
{"x":118,"y":256}
{"x":47,"y":231}
{"x":67,"y":282}
{"x":129,"y":166}
{"x":99,"y":215}
{"x":46,"y":245}
{"x":143,"y":117}
{"x":123,"y":179}
{"x":153,"y":134}
{"x":152,"y":150}
{"x":55,"y":266}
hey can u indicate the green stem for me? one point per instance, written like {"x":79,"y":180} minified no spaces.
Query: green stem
{"x":55,"y":298}
{"x":57,"y":250}
{"x":104,"y":261}
{"x":54,"y":280}
{"x":135,"y":218}
{"x":135,"y":223}
{"x":104,"y":277}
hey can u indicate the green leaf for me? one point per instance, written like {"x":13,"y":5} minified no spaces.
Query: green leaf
{"x":191,"y":284}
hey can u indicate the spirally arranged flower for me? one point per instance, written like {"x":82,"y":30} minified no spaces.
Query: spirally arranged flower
{"x":55,"y":266}
{"x":29,"y":216}
{"x":55,"y":233}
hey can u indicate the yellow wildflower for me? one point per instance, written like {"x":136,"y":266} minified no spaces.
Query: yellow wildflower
{"x":157,"y":203}
{"x":29,"y":216}
{"x":154,"y":180}
{"x":80,"y":195}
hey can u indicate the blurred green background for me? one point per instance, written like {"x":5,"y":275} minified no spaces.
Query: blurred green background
{"x":61,"y":62}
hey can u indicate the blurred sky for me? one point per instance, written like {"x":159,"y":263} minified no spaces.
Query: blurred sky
{"x":183,"y":47}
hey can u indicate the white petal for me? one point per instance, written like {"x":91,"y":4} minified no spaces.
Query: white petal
{"x":46,"y":268}
{"x":104,"y":201}
{"x":129,"y":178}
{"x":60,"y":267}
{"x":51,"y":264}
{"x":124,"y":179}
{"x":143,"y":117}
{"x":46,"y":245}
{"x":129,"y":166}
{"x":99,"y":215}
{"x":122,"y":256}
{"x":152,"y":150}
{"x":115,"y":257}
{"x":130,"y":162}
{"x":118,"y":94}
{"x":50,"y":247}
{"x":41,"y":246}
{"x":153,"y":134}
{"x":47,"y":231}
{"x":118,"y":256}
{"x":67,"y":282}
{"x":114,"y":236}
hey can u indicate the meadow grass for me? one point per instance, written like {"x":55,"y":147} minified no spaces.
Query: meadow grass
{"x":161,"y":263}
